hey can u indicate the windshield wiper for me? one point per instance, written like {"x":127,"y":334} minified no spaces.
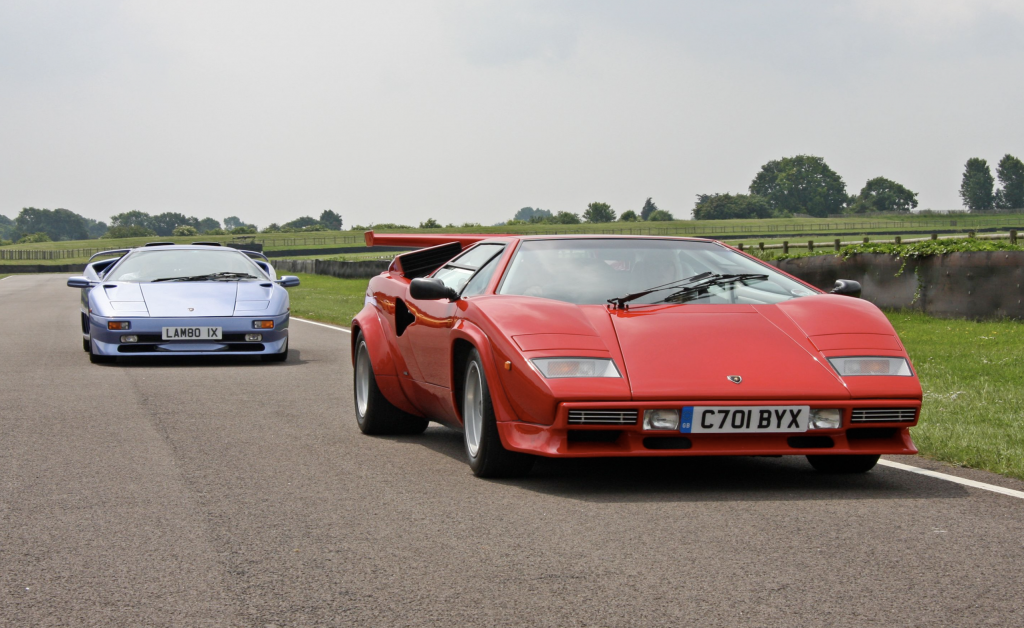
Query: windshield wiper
{"x":620,"y":302}
{"x":699,"y":289}
{"x":210,"y":277}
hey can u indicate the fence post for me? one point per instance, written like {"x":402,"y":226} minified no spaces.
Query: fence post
{"x":1013,"y":236}
{"x":899,"y":240}
{"x":970,"y":234}
{"x":866,"y":239}
{"x":740,"y":246}
{"x":837,"y":244}
{"x":810,"y":245}
{"x":760,"y":245}
{"x":785,"y":247}
{"x":935,"y":236}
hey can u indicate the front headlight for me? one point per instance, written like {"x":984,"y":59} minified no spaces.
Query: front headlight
{"x":848,"y":367}
{"x":555,"y":368}
{"x":826,"y":418}
{"x":661,"y":419}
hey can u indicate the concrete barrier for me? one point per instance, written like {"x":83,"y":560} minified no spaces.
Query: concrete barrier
{"x":344,"y":270}
{"x":978,"y":285}
{"x":11,"y":269}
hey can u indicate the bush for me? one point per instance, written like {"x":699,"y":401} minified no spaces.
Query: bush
{"x":660,"y":215}
{"x":132,"y":231}
{"x":599,"y":212}
{"x":727,"y":206}
{"x":34,"y":237}
{"x":564,"y":218}
{"x":215,"y":231}
{"x":629,"y":216}
{"x":430,"y":223}
{"x":244,"y":230}
{"x":185,"y":230}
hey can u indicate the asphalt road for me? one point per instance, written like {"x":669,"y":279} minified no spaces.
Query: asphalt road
{"x":237,"y":493}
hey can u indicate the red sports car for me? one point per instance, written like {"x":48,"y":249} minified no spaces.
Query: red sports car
{"x":573,"y":346}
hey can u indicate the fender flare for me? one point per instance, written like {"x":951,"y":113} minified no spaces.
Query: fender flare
{"x":475,"y":336}
{"x":367,"y":323}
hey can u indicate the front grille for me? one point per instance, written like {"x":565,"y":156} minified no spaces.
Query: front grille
{"x":603,"y":417}
{"x":882,"y":415}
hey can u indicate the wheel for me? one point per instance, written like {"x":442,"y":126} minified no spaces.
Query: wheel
{"x":488,"y":458}
{"x":375,"y":415}
{"x":843,"y":464}
{"x":95,"y":358}
{"x":277,"y":357}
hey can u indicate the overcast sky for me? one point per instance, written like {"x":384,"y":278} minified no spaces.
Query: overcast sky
{"x":468,"y":110}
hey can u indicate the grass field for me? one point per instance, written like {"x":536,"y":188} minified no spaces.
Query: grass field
{"x":971,"y":373}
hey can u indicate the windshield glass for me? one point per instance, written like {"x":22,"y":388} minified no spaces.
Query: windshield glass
{"x":163,"y":264}
{"x":593,"y":271}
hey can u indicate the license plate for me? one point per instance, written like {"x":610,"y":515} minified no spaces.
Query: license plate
{"x":744,"y":419}
{"x":192,"y":333}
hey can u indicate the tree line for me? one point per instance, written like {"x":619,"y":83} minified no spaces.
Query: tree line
{"x":596,"y":212}
{"x":977,"y":188}
{"x":46,"y":225}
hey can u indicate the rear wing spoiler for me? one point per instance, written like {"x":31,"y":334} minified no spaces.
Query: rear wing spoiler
{"x":425,"y":240}
{"x":113,"y":252}
{"x":256,"y":253}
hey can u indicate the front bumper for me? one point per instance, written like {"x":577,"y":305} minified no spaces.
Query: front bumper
{"x":108,"y":342}
{"x":564,"y":440}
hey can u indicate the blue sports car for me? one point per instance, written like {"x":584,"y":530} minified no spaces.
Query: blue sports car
{"x":198,"y":299}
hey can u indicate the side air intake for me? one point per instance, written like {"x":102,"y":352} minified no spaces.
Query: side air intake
{"x":425,"y":261}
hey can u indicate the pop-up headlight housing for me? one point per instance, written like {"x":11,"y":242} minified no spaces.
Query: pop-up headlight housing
{"x":556,"y":368}
{"x":870,"y":365}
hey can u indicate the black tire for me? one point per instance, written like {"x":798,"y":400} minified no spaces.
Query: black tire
{"x":375,"y":415}
{"x":277,"y":357}
{"x":487,"y":457}
{"x":86,"y":345}
{"x":100,"y":359}
{"x":843,"y":464}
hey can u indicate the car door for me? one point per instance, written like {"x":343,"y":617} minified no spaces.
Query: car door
{"x":428,"y":336}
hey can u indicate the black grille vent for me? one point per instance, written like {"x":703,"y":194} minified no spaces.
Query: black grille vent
{"x":603,"y":417}
{"x":883,"y":415}
{"x":425,"y":261}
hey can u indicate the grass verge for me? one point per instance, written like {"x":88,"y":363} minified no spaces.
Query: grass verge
{"x":971,"y":373}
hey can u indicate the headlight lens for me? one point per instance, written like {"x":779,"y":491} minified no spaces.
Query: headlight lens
{"x":555,"y":368}
{"x":826,"y":419}
{"x":661,"y":419}
{"x":849,"y":367}
{"x":119,"y":325}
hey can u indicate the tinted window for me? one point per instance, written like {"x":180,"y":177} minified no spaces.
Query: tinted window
{"x":592,"y":271}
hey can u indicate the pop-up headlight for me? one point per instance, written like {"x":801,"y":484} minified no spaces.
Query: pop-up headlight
{"x":849,"y":367}
{"x":555,"y":368}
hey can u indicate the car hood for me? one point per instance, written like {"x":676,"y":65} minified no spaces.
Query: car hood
{"x":179,"y":298}
{"x":696,"y":349}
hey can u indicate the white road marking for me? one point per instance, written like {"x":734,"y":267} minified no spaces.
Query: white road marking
{"x":344,"y":329}
{"x":7,"y":277}
{"x":885,"y":463}
{"x":953,"y":478}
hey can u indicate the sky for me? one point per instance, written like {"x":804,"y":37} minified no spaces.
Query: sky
{"x":465,"y":111}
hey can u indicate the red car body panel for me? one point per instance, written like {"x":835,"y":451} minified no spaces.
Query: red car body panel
{"x":669,"y":356}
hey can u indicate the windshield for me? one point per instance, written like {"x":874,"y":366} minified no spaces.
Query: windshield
{"x":163,"y":264}
{"x":594,"y":271}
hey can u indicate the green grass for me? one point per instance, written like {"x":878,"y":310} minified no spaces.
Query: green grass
{"x":328,"y":299}
{"x":971,"y":372}
{"x":2,"y":276}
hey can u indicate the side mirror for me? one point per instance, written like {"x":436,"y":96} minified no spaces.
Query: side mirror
{"x":427,"y":289}
{"x":79,"y":282}
{"x":847,"y":288}
{"x":288,"y":281}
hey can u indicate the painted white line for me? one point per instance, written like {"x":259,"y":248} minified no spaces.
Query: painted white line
{"x":7,"y":277}
{"x":344,"y":329}
{"x":953,"y":478}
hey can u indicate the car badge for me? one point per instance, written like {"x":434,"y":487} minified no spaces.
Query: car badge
{"x":191,"y":309}
{"x":736,"y":379}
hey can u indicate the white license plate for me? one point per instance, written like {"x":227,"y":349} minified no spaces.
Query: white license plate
{"x":744,"y":419}
{"x":192,"y":333}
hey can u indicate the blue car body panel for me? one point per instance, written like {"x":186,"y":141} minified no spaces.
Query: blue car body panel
{"x":148,"y":307}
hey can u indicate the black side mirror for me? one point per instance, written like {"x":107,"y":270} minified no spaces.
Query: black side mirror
{"x":847,"y":288}
{"x":429,"y":289}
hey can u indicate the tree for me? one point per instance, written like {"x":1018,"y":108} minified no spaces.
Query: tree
{"x":244,"y":230}
{"x":33,"y":238}
{"x":660,"y":215}
{"x":297,"y":224}
{"x":164,"y":224}
{"x":628,"y":216}
{"x":883,"y":195}
{"x":430,"y":223}
{"x":58,"y":224}
{"x":726,"y":206}
{"x":232,"y":222}
{"x":207,"y":224}
{"x":131,"y":231}
{"x":599,"y":212}
{"x":976,"y":185}
{"x":185,"y":230}
{"x":134,"y":218}
{"x":331,"y":220}
{"x":526,"y":214}
{"x":1011,"y":176}
{"x":96,"y":228}
{"x":648,"y":209}
{"x":565,"y":218}
{"x":800,"y":185}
